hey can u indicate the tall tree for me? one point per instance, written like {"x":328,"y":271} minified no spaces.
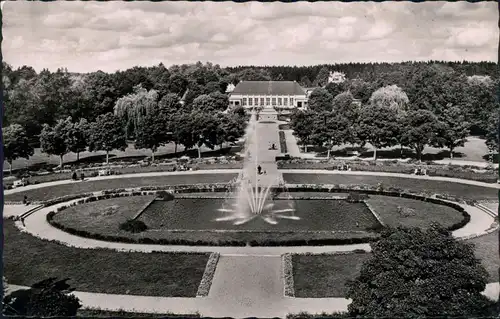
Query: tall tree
{"x":414,"y":273}
{"x":132,"y":107}
{"x":305,"y":81}
{"x":492,"y":132}
{"x":378,"y":126}
{"x":420,"y":128}
{"x":390,"y":96}
{"x":302,"y":124}
{"x":152,"y":132}
{"x":322,"y":77}
{"x":77,"y":138}
{"x":331,"y":129}
{"x":54,"y":140}
{"x":107,"y":134}
{"x":320,"y":100}
{"x":15,"y":144}
{"x":453,"y":129}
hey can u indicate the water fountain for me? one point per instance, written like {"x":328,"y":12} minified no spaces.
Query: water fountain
{"x":249,"y":196}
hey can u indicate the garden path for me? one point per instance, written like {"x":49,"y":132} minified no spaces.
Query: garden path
{"x":232,"y":171}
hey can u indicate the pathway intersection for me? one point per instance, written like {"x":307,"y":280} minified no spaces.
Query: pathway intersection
{"x":248,"y":281}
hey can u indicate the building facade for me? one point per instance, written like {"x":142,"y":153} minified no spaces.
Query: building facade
{"x":271,"y":94}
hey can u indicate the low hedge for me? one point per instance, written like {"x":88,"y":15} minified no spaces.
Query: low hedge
{"x":452,"y":171}
{"x":208,"y":275}
{"x":288,"y":275}
{"x":133,"y":226}
{"x":283,"y":147}
{"x":363,"y":189}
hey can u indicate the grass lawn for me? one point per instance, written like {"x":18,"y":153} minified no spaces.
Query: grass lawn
{"x":425,"y":213}
{"x":103,"y":216}
{"x":322,"y":276}
{"x":28,"y":260}
{"x":50,"y":192}
{"x":197,"y":217}
{"x":130,"y":153}
{"x":487,"y":252}
{"x":200,"y":214}
{"x":419,"y":185}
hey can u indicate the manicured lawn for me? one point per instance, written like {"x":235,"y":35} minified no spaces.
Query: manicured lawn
{"x":487,"y":252}
{"x":325,"y":276}
{"x":321,"y":276}
{"x":193,"y":219}
{"x":425,"y":213}
{"x":50,"y":192}
{"x":201,"y":214}
{"x":103,"y":216}
{"x":419,"y":185}
{"x":130,"y":153}
{"x":28,"y":260}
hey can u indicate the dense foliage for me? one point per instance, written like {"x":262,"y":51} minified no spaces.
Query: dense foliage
{"x":48,"y":298}
{"x":133,"y":226}
{"x":419,"y":274}
{"x":410,"y":105}
{"x":141,"y":97}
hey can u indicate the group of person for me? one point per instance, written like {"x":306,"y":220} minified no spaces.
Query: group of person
{"x":343,"y":167}
{"x":260,"y":171}
{"x":74,"y":176}
{"x":420,"y":171}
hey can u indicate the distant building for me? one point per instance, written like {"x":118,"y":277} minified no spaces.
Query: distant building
{"x":230,"y":88}
{"x":272,"y":94}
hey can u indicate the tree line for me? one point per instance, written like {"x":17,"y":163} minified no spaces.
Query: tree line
{"x":432,"y":105}
{"x":40,"y":105}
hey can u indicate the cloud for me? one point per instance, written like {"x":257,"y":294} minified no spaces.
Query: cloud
{"x":85,"y":36}
{"x":471,"y":36}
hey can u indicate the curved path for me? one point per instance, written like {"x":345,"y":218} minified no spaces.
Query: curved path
{"x":248,"y":280}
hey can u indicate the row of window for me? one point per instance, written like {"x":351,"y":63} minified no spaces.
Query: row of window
{"x":267,"y":101}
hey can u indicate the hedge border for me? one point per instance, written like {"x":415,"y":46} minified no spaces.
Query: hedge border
{"x":208,"y":275}
{"x":283,"y":146}
{"x":289,"y":285}
{"x":269,"y":243}
{"x":442,"y":170}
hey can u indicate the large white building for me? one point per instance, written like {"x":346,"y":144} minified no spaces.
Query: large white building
{"x":272,"y":94}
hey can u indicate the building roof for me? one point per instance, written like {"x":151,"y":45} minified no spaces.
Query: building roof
{"x":269,"y":88}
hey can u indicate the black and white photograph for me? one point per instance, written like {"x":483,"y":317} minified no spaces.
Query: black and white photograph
{"x":300,"y":160}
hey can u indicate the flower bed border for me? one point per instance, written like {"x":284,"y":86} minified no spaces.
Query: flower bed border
{"x":443,"y":170}
{"x":289,"y":286}
{"x":283,"y":146}
{"x":208,"y":275}
{"x":373,"y":190}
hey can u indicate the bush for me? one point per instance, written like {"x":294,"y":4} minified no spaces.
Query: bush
{"x":356,"y":197}
{"x":133,"y":226}
{"x":164,"y":195}
{"x":283,"y":148}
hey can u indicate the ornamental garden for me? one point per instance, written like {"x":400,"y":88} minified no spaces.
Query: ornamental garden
{"x":152,"y":229}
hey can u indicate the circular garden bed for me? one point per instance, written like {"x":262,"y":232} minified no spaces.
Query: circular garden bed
{"x":190,"y":219}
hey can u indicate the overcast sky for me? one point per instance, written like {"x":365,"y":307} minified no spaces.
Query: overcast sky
{"x":88,"y":36}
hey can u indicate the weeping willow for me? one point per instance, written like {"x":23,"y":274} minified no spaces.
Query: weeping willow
{"x":133,"y":107}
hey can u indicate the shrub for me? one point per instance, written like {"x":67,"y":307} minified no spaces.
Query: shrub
{"x":283,"y":148}
{"x":133,"y":226}
{"x":437,"y":267}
